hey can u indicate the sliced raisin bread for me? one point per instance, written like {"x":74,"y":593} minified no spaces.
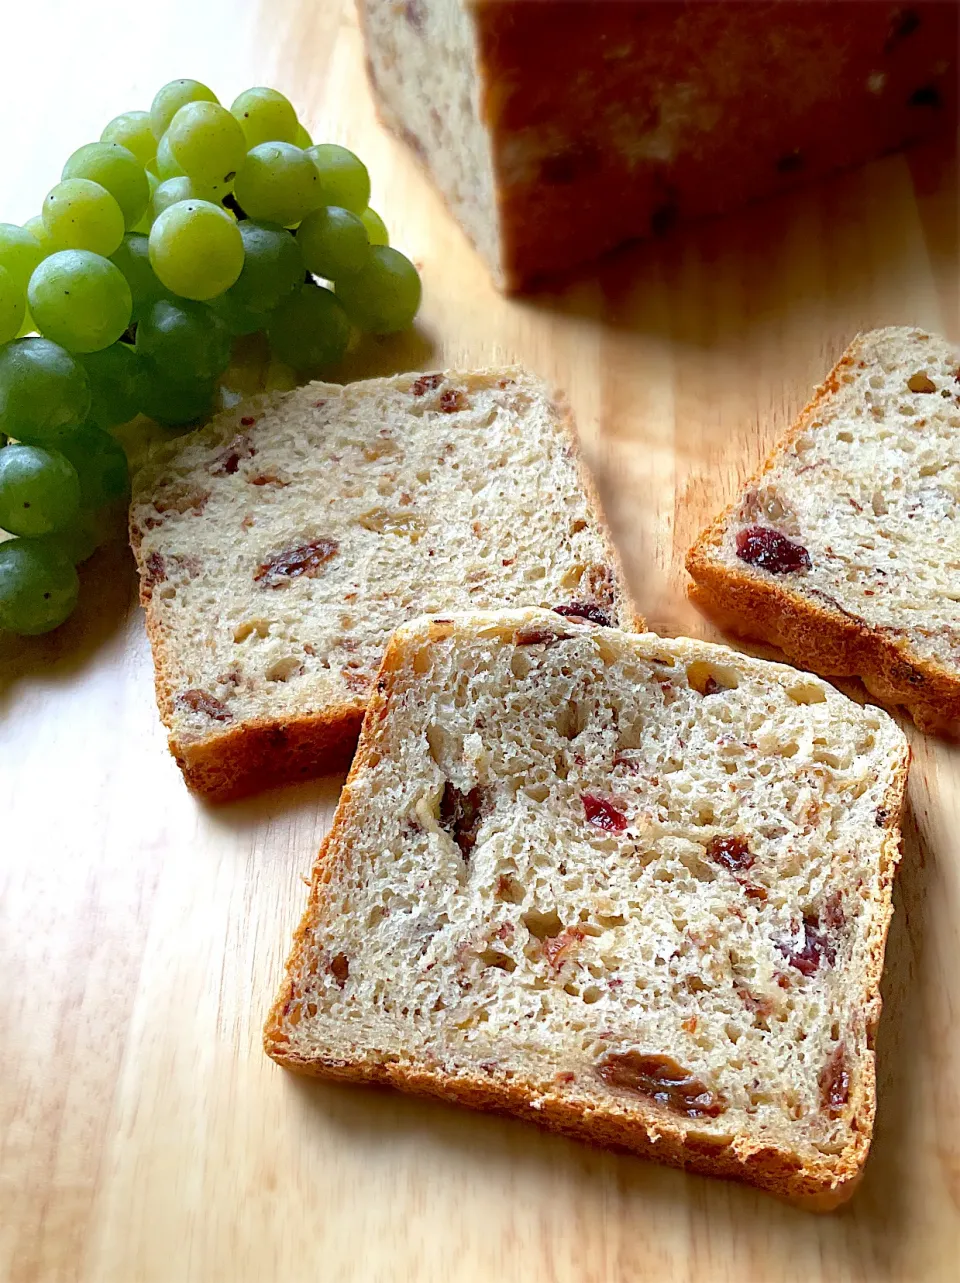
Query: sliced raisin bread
{"x":633,"y":889}
{"x":281,"y":545}
{"x":844,"y":550}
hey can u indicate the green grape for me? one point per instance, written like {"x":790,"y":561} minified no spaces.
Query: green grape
{"x":100,"y":463}
{"x":80,"y":214}
{"x":302,"y":139}
{"x":334,"y":242}
{"x":80,"y":300}
{"x":343,"y":177}
{"x":174,"y":403}
{"x":39,"y":490}
{"x":116,"y":169}
{"x":186,"y":340}
{"x":309,"y":330}
{"x":132,"y":130}
{"x":40,"y":234}
{"x":272,"y":266}
{"x":145,"y":223}
{"x":238,"y":318}
{"x":133,"y":259}
{"x":79,"y":541}
{"x":38,"y":586}
{"x":265,"y":117}
{"x":171,"y":98}
{"x":207,"y":143}
{"x":196,"y":249}
{"x":384,"y":297}
{"x":272,"y":269}
{"x":167,"y":166}
{"x":278,"y":184}
{"x":43,"y":390}
{"x":376,"y":227}
{"x":172,"y":190}
{"x":114,"y":375}
{"x":13,"y":306}
{"x":20,"y":252}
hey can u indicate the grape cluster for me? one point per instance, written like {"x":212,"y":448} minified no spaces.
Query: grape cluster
{"x":183,"y":228}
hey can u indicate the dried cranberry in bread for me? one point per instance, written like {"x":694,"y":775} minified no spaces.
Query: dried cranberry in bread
{"x":281,"y":545}
{"x":844,"y":550}
{"x":558,"y":129}
{"x":633,"y":889}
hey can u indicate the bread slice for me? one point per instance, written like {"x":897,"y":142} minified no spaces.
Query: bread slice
{"x":636,"y":890}
{"x":844,"y":550}
{"x":280,"y":546}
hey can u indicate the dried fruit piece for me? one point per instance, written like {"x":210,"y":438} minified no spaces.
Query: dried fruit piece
{"x":555,"y":948}
{"x":732,"y":852}
{"x":588,"y":610}
{"x":833,"y":915}
{"x":340,"y":968}
{"x":452,"y":400}
{"x":768,"y":549}
{"x":155,"y":569}
{"x":228,"y":461}
{"x":426,"y":383}
{"x":662,"y":1080}
{"x":816,"y":946}
{"x":461,"y":815}
{"x":382,"y":522}
{"x":921,"y":382}
{"x":603,"y":813}
{"x":304,"y":561}
{"x":537,"y":637}
{"x":200,"y":702}
{"x":835,"y":1082}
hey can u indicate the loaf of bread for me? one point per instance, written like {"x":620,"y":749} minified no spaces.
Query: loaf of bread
{"x":635,"y":890}
{"x":844,"y":550}
{"x":280,"y":546}
{"x":556,"y":130}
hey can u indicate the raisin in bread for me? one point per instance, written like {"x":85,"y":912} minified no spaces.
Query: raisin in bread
{"x":633,"y":889}
{"x":281,"y":545}
{"x":557,"y":130}
{"x":844,"y":550}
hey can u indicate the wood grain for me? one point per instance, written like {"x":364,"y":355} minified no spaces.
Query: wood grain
{"x":144,"y":1138}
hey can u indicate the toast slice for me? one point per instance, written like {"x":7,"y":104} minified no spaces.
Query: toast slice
{"x":635,"y":890}
{"x":280,"y":546}
{"x":844,"y":550}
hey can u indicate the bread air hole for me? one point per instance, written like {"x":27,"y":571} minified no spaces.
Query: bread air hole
{"x":251,"y":627}
{"x":496,"y":958}
{"x":709,"y":679}
{"x":281,"y":670}
{"x":544,"y":926}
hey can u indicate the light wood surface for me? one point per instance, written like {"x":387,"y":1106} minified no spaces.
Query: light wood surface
{"x":144,"y":1138}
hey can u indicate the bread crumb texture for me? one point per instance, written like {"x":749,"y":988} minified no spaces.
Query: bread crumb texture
{"x":854,"y":522}
{"x":281,"y":545}
{"x":636,"y":889}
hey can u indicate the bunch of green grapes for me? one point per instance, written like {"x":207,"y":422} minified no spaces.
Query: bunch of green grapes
{"x":181,"y":229}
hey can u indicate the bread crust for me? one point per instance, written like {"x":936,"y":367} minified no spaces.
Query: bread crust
{"x":822,"y":639}
{"x":642,"y":1129}
{"x":595,"y":146}
{"x":247,"y":756}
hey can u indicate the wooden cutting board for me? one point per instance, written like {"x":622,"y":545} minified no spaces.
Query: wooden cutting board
{"x":144,"y":1138}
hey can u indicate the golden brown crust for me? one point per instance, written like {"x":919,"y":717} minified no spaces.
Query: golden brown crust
{"x":818,"y":637}
{"x":615,"y":141}
{"x":643,"y":1130}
